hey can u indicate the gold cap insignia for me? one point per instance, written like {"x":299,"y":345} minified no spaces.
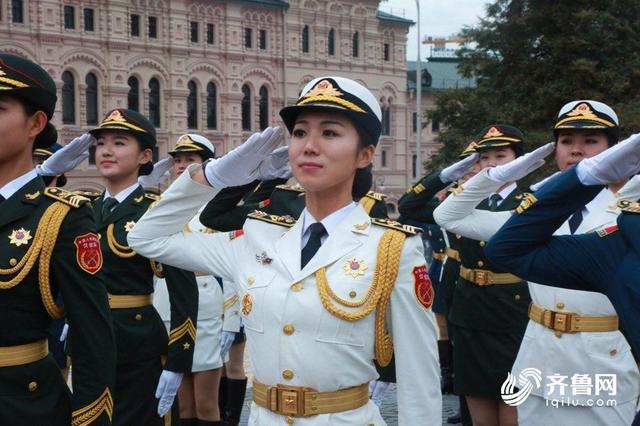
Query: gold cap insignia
{"x":355,"y":267}
{"x":323,"y":88}
{"x":185,"y":139}
{"x":493,"y":133}
{"x":19,"y":237}
{"x":116,"y":116}
{"x":582,"y":110}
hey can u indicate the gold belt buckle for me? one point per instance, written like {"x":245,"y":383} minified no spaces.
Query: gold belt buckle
{"x":288,"y":400}
{"x":560,"y":321}
{"x":480,"y":276}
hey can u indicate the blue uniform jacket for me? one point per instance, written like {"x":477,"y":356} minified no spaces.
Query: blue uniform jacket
{"x":606,"y":261}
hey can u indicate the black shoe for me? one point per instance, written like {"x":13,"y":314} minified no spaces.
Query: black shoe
{"x":454,"y":418}
{"x":236,"y":390}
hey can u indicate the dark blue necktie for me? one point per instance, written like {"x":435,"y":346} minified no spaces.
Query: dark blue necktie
{"x":493,"y":202}
{"x":107,"y":206}
{"x":575,"y":221}
{"x":314,"y":243}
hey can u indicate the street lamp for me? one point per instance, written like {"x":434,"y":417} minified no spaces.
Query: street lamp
{"x":418,"y":100}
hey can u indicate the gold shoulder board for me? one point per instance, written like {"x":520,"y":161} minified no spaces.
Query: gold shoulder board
{"x":629,"y":206}
{"x":88,"y":194}
{"x":528,"y":199}
{"x":66,"y":197}
{"x":294,"y":188}
{"x":378,"y":196}
{"x":287,"y":221}
{"x":387,"y":223}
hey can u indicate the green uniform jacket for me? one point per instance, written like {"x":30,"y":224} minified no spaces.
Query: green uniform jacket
{"x":419,"y":202}
{"x":35,"y":393}
{"x":140,"y":333}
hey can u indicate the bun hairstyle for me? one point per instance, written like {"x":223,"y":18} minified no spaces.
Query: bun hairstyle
{"x":47,"y":137}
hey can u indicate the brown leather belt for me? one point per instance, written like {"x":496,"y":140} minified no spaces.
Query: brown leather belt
{"x":11,"y":356}
{"x":482,"y":277}
{"x":453,"y":254}
{"x":439,"y":256}
{"x":125,"y":301}
{"x":569,"y":322}
{"x":302,"y":402}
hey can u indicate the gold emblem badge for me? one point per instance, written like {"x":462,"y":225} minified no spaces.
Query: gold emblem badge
{"x":20,"y":237}
{"x":116,"y":116}
{"x":355,"y":267}
{"x":582,"y":110}
{"x":247,"y":304}
{"x":323,"y":88}
{"x":129,"y":225}
{"x":184,"y":140}
{"x":493,"y":133}
{"x":361,"y":226}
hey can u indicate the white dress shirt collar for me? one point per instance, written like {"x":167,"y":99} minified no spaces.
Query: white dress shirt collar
{"x":122,"y":195}
{"x":14,"y":186}
{"x":330,"y":222}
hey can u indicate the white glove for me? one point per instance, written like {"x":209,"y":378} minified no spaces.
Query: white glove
{"x":67,"y":158}
{"x":65,"y":331}
{"x":277,"y":166}
{"x":521,"y":166}
{"x":459,"y":169}
{"x":247,"y":162}
{"x":226,"y":340}
{"x":166,"y":391}
{"x":612,"y":165}
{"x":159,"y":174}
{"x":538,"y":185}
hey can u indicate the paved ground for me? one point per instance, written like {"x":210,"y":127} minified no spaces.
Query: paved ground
{"x":389,"y":407}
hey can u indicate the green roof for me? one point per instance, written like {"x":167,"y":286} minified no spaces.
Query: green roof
{"x":444,"y":75}
{"x":384,"y":16}
{"x":277,"y":3}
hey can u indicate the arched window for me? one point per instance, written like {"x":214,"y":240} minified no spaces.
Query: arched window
{"x":154,"y":102}
{"x":305,"y":39}
{"x":192,"y":105}
{"x":246,"y":108}
{"x":68,"y":98}
{"x":386,"y":120}
{"x":356,"y":44}
{"x":264,"y":108}
{"x":91,"y":98}
{"x":133,"y":97}
{"x":331,"y":43}
{"x":212,"y":116}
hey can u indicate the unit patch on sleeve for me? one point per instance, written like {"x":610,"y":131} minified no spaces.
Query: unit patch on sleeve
{"x":88,"y":254}
{"x":422,"y":286}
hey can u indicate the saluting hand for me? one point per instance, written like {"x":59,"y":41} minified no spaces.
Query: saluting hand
{"x":521,"y":166}
{"x":458,"y":169}
{"x":159,"y":174}
{"x":612,"y":165}
{"x":67,"y":158}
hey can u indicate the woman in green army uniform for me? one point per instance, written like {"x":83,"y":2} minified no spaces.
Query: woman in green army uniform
{"x":35,"y":223}
{"x":147,"y":368}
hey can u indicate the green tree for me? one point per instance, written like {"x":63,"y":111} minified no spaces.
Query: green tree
{"x":533,"y":56}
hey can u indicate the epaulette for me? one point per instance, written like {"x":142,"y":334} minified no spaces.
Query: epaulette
{"x":295,"y":188}
{"x":629,"y":206}
{"x":388,"y":223}
{"x":88,"y":194}
{"x":378,"y":196}
{"x":64,"y":196}
{"x":287,"y":221}
{"x":528,"y":199}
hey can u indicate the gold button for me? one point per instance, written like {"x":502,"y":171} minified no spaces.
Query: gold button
{"x":560,"y":305}
{"x":289,"y":420}
{"x":613,"y":352}
{"x":138,"y":317}
{"x":297,"y":287}
{"x":287,"y":374}
{"x":458,"y":236}
{"x":558,"y":334}
{"x":429,"y":232}
{"x":352,"y":294}
{"x":480,"y":263}
{"x":32,"y":386}
{"x":482,"y":243}
{"x":517,"y":297}
{"x":250,"y":280}
{"x":314,"y":408}
{"x":288,"y":329}
{"x":314,"y":397}
{"x":13,"y":262}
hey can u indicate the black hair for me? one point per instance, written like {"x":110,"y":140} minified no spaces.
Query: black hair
{"x":364,"y":177}
{"x":49,"y":135}
{"x":146,"y":168}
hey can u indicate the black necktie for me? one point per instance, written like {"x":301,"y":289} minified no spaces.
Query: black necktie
{"x":1,"y":198}
{"x":314,"y":243}
{"x":108,"y":205}
{"x":493,"y":202}
{"x":575,"y":221}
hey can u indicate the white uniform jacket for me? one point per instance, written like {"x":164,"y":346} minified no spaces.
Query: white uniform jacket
{"x":578,"y":353}
{"x":318,"y":350}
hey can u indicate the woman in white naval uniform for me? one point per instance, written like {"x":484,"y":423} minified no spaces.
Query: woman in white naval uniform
{"x":583,"y":129}
{"x":198,"y":392}
{"x":314,"y":321}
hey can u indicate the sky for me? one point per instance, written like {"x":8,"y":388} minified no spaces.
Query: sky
{"x":438,"y":18}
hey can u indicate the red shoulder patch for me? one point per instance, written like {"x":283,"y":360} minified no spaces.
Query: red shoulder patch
{"x":88,"y":253}
{"x":422,"y":286}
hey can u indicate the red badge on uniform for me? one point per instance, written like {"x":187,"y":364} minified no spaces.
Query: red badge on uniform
{"x":88,"y":254}
{"x":422,"y":286}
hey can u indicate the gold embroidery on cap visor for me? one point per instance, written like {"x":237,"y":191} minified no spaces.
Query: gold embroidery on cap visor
{"x":115,"y":120}
{"x":582,"y":112}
